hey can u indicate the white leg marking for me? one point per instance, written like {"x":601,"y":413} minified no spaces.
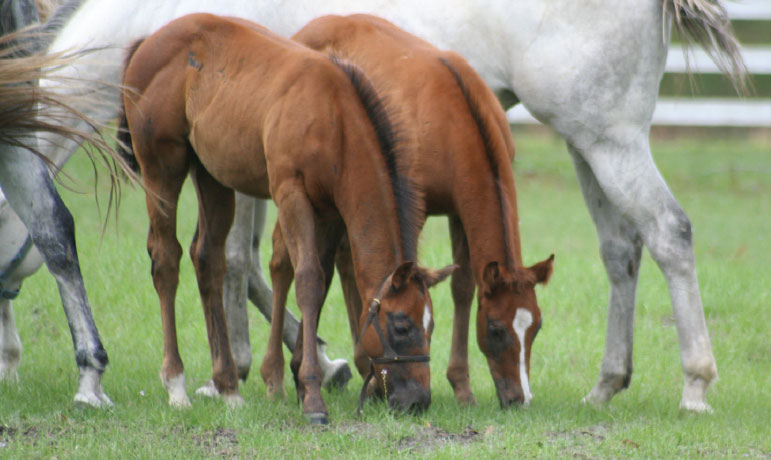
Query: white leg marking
{"x":523,"y":319}
{"x":90,"y":389}
{"x":177,"y":393}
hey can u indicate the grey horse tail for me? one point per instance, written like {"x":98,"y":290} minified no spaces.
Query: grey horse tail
{"x":124,"y":135}
{"x":706,"y":22}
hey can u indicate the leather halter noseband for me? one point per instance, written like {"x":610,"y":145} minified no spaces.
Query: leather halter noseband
{"x":389,"y":355}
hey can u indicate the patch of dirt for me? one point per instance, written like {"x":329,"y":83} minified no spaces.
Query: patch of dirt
{"x":431,"y":437}
{"x":221,"y":443}
{"x":577,"y":440}
{"x":29,"y":435}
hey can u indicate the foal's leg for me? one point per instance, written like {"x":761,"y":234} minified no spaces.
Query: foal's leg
{"x":462,"y":285}
{"x":10,"y":344}
{"x":31,"y":192}
{"x":621,"y":249}
{"x":162,"y":188}
{"x":336,"y":372}
{"x":630,"y":180}
{"x":297,"y":219}
{"x":216,"y":206}
{"x":344,"y":263}
{"x":239,"y":261}
{"x":281,"y":274}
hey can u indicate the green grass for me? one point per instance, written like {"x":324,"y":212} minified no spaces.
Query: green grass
{"x":724,"y":184}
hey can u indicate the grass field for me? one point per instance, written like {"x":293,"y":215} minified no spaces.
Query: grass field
{"x":724,"y":184}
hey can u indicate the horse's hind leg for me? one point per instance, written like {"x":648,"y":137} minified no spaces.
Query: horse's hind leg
{"x":462,"y":285}
{"x":10,"y":344}
{"x":163,"y":183}
{"x":31,"y":192}
{"x":239,"y":263}
{"x":216,"y":206}
{"x":633,"y":185}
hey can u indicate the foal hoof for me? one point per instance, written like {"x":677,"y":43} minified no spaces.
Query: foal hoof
{"x":337,"y":379}
{"x":317,"y":418}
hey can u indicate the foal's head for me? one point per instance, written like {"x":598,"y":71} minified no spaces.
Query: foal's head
{"x":396,"y":336}
{"x":508,"y":320}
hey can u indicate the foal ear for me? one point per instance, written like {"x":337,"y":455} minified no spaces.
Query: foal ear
{"x":402,"y":275}
{"x":433,"y":277}
{"x":543,"y":270}
{"x":491,"y":277}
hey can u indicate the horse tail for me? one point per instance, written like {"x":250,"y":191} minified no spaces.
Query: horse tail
{"x":124,"y":135}
{"x":408,"y":201}
{"x":706,"y":22}
{"x":493,"y":129}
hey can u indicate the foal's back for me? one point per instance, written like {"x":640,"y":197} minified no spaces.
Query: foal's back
{"x":230,"y":88}
{"x":427,"y":85}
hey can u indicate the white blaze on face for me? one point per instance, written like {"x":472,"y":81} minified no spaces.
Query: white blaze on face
{"x":426,"y":318}
{"x":523,"y":319}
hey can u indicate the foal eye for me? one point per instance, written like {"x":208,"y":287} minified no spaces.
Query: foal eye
{"x":496,"y":333}
{"x":401,"y":327}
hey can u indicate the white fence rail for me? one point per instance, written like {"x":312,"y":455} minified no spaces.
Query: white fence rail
{"x":747,"y":112}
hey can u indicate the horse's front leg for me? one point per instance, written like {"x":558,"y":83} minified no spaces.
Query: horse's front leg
{"x":297,"y":220}
{"x":344,"y":263}
{"x":336,"y":372}
{"x":281,"y":273}
{"x":31,"y":193}
{"x":216,"y":207}
{"x":462,"y":286}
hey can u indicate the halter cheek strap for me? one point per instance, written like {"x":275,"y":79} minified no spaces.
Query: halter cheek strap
{"x":389,"y":355}
{"x":10,"y":294}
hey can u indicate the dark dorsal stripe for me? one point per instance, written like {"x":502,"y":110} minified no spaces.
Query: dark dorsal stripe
{"x":487,"y":140}
{"x":404,"y":190}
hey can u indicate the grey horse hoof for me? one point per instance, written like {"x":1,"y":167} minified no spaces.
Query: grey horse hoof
{"x":339,"y":378}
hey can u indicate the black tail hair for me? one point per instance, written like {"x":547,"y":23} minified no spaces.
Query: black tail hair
{"x":124,"y":135}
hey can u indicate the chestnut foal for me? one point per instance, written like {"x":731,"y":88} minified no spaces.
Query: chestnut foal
{"x":459,"y":148}
{"x":239,"y":108}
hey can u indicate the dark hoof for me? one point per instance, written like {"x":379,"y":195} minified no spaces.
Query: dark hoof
{"x":317,"y":418}
{"x":339,"y":379}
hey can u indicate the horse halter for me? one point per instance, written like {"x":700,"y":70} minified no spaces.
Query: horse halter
{"x":389,"y":355}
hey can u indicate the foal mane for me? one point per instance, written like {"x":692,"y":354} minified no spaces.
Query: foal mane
{"x":486,"y":135}
{"x":407,"y":198}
